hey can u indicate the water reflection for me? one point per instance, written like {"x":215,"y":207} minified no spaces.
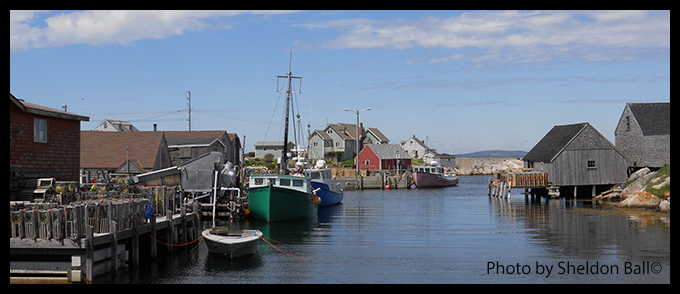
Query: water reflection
{"x":576,"y":228}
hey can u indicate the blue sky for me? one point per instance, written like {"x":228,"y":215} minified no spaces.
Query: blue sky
{"x":466,"y":80}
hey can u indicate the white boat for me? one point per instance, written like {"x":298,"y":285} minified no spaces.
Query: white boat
{"x":230,"y":242}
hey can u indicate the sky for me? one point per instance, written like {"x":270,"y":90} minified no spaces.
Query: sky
{"x":464,"y":80}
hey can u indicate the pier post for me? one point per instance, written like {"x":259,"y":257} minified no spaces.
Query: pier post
{"x":114,"y":247}
{"x":153,"y":249}
{"x":89,"y":254}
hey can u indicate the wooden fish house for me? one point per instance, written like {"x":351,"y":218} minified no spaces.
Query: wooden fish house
{"x":578,"y":157}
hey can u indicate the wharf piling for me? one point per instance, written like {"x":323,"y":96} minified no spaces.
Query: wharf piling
{"x":502,"y":182}
{"x":73,"y":243}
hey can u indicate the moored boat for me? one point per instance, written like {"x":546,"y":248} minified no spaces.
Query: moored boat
{"x":322,"y":183}
{"x":282,"y":197}
{"x":274,"y":198}
{"x":432,"y":176}
{"x":233,"y":244}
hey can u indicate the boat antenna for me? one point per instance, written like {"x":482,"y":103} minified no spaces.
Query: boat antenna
{"x":289,"y":78}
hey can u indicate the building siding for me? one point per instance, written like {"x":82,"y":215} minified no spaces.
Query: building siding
{"x":58,"y":158}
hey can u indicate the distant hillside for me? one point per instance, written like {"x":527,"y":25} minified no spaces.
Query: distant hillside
{"x":494,"y":154}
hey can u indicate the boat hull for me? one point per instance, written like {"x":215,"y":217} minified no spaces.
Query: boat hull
{"x":232,"y":246}
{"x":430,"y":180}
{"x":274,"y":204}
{"x":328,"y":197}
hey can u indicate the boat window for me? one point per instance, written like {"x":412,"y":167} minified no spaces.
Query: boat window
{"x":258,"y":181}
{"x":298,"y":183}
{"x":327,"y":174}
{"x":314,"y":175}
{"x":284,"y":182}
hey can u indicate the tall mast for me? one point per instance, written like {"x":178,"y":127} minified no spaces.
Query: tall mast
{"x":289,"y":78}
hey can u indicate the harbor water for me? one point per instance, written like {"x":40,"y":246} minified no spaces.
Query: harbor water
{"x":448,"y":235}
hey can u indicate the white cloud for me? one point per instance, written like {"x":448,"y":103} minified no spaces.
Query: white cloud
{"x":109,"y":27}
{"x":513,"y":36}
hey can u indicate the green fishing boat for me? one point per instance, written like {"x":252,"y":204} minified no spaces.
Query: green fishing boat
{"x":274,"y":198}
{"x":282,"y":197}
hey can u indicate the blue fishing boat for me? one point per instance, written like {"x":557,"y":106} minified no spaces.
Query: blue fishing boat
{"x":322,"y":184}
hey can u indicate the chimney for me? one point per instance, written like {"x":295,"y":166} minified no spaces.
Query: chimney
{"x":155,"y":127}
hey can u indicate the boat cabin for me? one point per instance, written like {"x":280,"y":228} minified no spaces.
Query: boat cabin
{"x":315,"y":174}
{"x":429,"y":169}
{"x":282,"y":181}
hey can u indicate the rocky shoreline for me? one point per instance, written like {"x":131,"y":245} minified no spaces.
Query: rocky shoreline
{"x":486,"y":166}
{"x":644,"y":189}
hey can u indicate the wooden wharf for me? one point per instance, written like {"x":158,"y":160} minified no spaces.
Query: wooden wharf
{"x":502,"y":182}
{"x":54,"y":243}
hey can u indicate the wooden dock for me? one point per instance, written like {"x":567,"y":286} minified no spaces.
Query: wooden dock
{"x":502,"y":182}
{"x":53,"y":243}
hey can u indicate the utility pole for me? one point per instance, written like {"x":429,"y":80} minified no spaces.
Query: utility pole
{"x":189,"y":104}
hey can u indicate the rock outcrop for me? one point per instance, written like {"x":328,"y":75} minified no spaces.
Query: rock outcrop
{"x":641,"y":190}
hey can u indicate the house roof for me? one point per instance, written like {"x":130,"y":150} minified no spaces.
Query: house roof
{"x":321,"y":134}
{"x":553,"y":142}
{"x":378,"y":134}
{"x":107,"y":149}
{"x":44,"y":110}
{"x":388,"y":151}
{"x":653,"y":118}
{"x":119,"y":125}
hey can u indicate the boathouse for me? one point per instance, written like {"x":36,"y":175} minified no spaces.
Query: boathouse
{"x":376,"y":157}
{"x":43,"y":143}
{"x":578,"y":159}
{"x":643,"y":134}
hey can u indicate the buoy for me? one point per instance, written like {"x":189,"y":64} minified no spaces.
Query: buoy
{"x":317,"y":200}
{"x":387,"y":187}
{"x":246,"y":212}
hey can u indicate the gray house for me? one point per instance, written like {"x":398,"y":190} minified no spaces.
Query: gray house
{"x":271,"y":150}
{"x":578,"y":158}
{"x":644,"y":134}
{"x":337,"y":142}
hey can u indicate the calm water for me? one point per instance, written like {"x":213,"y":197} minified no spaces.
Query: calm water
{"x":449,"y":235}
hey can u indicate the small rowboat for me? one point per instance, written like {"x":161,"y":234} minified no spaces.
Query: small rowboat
{"x":233,"y":244}
{"x":230,"y":242}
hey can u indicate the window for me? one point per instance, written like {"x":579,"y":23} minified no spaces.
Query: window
{"x":284,"y":182}
{"x":298,"y":183}
{"x":591,"y":164}
{"x":39,"y":130}
{"x":367,"y":162}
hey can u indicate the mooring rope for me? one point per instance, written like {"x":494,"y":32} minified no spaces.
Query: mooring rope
{"x":270,"y":244}
{"x":175,"y":245}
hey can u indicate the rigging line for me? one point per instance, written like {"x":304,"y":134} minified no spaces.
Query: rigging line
{"x":272,"y":118}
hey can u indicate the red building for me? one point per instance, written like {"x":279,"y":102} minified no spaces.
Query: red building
{"x":43,"y":142}
{"x":384,"y":157}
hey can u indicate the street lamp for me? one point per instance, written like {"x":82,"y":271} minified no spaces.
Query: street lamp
{"x":356,"y":160}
